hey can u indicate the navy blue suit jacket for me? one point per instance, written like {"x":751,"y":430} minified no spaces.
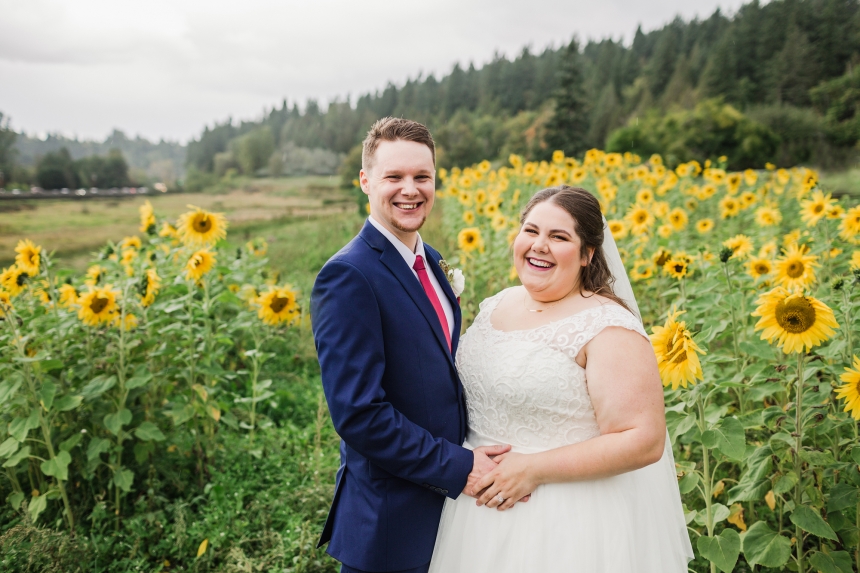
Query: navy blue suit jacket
{"x":395,"y":400}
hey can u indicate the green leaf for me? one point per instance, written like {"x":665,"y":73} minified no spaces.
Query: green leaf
{"x":855,"y":455}
{"x":833,"y":562}
{"x":842,"y":496}
{"x":123,"y":479}
{"x":815,"y":458}
{"x":98,"y":386}
{"x":681,"y":426}
{"x":15,"y":500}
{"x":9,"y":447}
{"x":46,"y":395}
{"x":688,"y":482}
{"x":37,"y":506}
{"x":149,"y":431}
{"x":142,"y":450}
{"x":763,"y":546}
{"x":8,"y":389}
{"x":97,"y":447}
{"x":67,"y":402}
{"x":719,"y":512}
{"x":50,"y":365}
{"x":70,"y":443}
{"x":23,"y":453}
{"x":19,"y":427}
{"x":810,"y":521}
{"x":114,"y":422}
{"x":137,"y":381}
{"x":58,"y":466}
{"x":722,"y":550}
{"x":728,"y":437}
{"x":762,"y":391}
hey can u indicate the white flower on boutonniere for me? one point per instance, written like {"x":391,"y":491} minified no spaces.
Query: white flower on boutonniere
{"x":455,"y":277}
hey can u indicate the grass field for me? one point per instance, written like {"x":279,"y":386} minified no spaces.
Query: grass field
{"x":840,"y":182}
{"x":76,"y":228}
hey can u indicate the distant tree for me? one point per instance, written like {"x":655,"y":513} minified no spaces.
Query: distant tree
{"x":791,"y":72}
{"x":56,"y":170}
{"x":103,"y":172}
{"x":253,"y":150}
{"x":568,"y":128}
{"x":7,"y":151}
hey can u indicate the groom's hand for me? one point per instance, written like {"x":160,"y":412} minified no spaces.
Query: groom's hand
{"x":482,"y":465}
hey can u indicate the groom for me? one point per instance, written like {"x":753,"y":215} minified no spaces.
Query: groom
{"x":386,"y":325}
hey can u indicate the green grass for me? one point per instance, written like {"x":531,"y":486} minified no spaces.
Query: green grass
{"x":842,"y":182}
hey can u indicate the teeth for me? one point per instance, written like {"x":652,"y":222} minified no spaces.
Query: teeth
{"x":541,"y":264}
{"x":408,"y":206}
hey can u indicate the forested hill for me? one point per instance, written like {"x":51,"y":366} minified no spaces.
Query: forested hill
{"x":776,"y":81}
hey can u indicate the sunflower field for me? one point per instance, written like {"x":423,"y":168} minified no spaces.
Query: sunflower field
{"x":747,"y":283}
{"x":117,"y":389}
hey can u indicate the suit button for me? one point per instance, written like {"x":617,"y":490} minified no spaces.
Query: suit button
{"x":444,"y":492}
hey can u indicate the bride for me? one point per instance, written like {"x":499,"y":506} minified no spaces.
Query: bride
{"x":563,"y":371}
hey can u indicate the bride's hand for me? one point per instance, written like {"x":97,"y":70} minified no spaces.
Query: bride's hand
{"x":512,"y":477}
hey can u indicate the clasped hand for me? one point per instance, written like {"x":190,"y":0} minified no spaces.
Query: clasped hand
{"x":498,"y":470}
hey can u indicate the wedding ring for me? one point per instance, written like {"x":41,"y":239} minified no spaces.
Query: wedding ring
{"x":500,"y":499}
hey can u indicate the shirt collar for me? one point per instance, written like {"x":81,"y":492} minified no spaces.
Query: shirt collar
{"x":404,"y":251}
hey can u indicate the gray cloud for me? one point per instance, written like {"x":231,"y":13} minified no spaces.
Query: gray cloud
{"x":164,"y":69}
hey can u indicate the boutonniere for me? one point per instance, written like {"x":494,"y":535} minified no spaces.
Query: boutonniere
{"x":455,"y":277}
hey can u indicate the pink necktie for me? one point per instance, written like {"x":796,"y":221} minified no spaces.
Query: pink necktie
{"x":431,"y":294}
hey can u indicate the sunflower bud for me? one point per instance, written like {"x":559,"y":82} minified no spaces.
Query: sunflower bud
{"x":725,"y":254}
{"x":838,"y":284}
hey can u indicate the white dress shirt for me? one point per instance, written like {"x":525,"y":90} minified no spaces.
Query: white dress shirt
{"x":409,"y":257}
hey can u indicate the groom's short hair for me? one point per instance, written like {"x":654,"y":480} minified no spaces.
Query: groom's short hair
{"x":394,"y":129}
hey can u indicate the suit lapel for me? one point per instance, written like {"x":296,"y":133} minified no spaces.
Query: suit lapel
{"x":398,"y":267}
{"x":433,"y":263}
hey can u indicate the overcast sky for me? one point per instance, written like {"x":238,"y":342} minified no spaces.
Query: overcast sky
{"x":164,"y":69}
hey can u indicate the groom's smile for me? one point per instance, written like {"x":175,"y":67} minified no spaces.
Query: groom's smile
{"x":400,"y":185}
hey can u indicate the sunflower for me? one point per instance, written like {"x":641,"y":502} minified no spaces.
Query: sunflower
{"x":741,"y":246}
{"x":676,"y":268}
{"x":665,"y":231}
{"x":258,"y":247}
{"x":676,"y":352}
{"x":130,"y":322}
{"x":660,"y":208}
{"x":499,"y":222}
{"x":706,"y":192}
{"x":729,"y":207}
{"x":814,"y":209}
{"x":465,"y":198}
{"x":617,"y":228}
{"x":767,"y":216}
{"x":704,"y":226}
{"x":68,"y":295}
{"x":5,"y":300}
{"x":850,"y":391}
{"x":469,"y":217}
{"x":733,"y":182}
{"x":147,"y":218}
{"x":661,"y":257}
{"x":750,"y":177}
{"x":168,"y":230}
{"x":277,"y":305}
{"x":639,"y":218}
{"x":855,"y":260}
{"x":644,"y":196}
{"x":849,"y":227}
{"x":130,"y":243}
{"x":148,"y":287}
{"x":95,"y":274}
{"x":747,"y":199}
{"x":200,"y":227}
{"x":199,"y":264}
{"x":678,"y":218}
{"x":795,"y":268}
{"x":469,"y":239}
{"x":28,"y":257}
{"x":642,"y":270}
{"x":793,"y":321}
{"x":759,"y":267}
{"x":14,"y":280}
{"x":98,"y":305}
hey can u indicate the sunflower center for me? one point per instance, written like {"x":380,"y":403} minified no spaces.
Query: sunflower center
{"x":202,"y":224}
{"x":796,"y":316}
{"x":470,"y":239}
{"x":761,"y":268}
{"x":640,"y":217}
{"x":98,"y":304}
{"x":818,"y":209}
{"x":679,"y":268}
{"x":279,"y":303}
{"x":22,"y":278}
{"x":795,"y":269}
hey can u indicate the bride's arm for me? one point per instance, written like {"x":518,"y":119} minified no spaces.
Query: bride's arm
{"x":624,"y":385}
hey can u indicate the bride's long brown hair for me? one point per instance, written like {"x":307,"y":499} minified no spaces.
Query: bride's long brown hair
{"x":584,"y":208}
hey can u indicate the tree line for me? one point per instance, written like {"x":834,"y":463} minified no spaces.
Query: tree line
{"x":774,"y":82}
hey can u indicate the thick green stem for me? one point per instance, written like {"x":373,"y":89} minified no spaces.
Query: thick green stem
{"x":707,"y":477}
{"x":735,"y":335}
{"x":123,"y":396}
{"x":798,"y":466}
{"x":846,"y":309}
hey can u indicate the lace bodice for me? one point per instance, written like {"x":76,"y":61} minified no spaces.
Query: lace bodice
{"x":524,"y":387}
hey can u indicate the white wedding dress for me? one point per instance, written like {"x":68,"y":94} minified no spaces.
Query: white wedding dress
{"x":524,"y":388}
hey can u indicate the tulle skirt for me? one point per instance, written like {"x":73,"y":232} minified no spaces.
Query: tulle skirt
{"x":630,"y":523}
